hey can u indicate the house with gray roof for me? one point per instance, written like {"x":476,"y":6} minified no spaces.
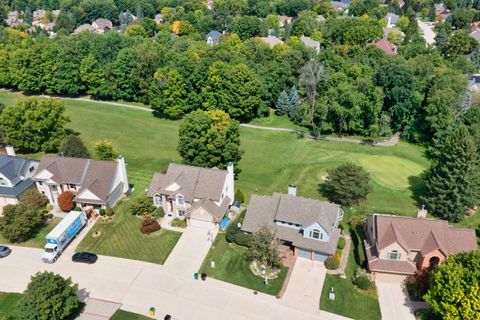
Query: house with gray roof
{"x":202,"y":196}
{"x":272,"y":41}
{"x":308,"y":227}
{"x":102,"y":25}
{"x":310,"y":43}
{"x":95,"y":184}
{"x":391,"y":19}
{"x":402,"y":245}
{"x":15,"y":178}
{"x":213,"y":37}
{"x":84,"y":27}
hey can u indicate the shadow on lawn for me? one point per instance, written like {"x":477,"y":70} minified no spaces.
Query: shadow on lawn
{"x":418,"y":188}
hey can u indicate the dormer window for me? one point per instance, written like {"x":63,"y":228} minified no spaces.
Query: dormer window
{"x":393,"y":255}
{"x":2,"y":182}
{"x":180,"y":201}
{"x":315,"y":234}
{"x":31,"y":169}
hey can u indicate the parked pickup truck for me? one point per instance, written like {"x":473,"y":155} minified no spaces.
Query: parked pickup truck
{"x":62,"y":235}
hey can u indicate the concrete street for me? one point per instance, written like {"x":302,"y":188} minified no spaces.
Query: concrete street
{"x":139,"y":285}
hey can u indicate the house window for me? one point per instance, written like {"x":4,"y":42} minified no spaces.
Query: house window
{"x":180,"y":201}
{"x":54,"y":188}
{"x":31,"y":169}
{"x":71,"y":186}
{"x":2,"y":182}
{"x":315,"y":234}
{"x":181,"y":213}
{"x":40,"y":183}
{"x":393,"y":255}
{"x":157,"y":200}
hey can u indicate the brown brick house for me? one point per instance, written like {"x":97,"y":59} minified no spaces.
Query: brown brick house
{"x":401,"y":245}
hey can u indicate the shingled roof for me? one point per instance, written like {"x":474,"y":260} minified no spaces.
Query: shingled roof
{"x":15,"y":169}
{"x":193,"y":182}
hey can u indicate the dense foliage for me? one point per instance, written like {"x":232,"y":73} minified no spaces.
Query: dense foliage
{"x":455,"y":286}
{"x":264,"y":247}
{"x":72,"y":146}
{"x":49,"y":296}
{"x":142,"y":206}
{"x":104,"y":150}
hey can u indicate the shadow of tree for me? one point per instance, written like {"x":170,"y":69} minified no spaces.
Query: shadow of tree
{"x":418,"y":188}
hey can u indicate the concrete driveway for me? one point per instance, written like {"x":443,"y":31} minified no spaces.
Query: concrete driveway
{"x":427,"y":30}
{"x":190,"y":251}
{"x":394,"y":301}
{"x":305,"y":286}
{"x":139,"y":285}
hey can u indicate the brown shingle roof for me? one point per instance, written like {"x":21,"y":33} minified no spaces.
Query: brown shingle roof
{"x":194,"y":182}
{"x":385,"y":45}
{"x":390,"y":266}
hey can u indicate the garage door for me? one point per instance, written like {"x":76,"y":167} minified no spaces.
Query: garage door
{"x":320,"y":257}
{"x":389,"y":277}
{"x":202,"y":224}
{"x":304,"y":254}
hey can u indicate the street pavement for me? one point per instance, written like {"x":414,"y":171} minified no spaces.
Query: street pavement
{"x":140,"y":285}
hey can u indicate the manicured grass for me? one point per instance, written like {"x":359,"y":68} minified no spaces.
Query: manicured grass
{"x":125,"y":315}
{"x":38,"y":239}
{"x":276,"y":121}
{"x":349,"y":301}
{"x":232,"y":266}
{"x":122,"y":238}
{"x":270,"y":162}
{"x":8,"y":305}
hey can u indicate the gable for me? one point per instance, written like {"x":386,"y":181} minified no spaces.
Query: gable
{"x":43,"y":175}
{"x":173,"y":187}
{"x":201,"y":214}
{"x":87,"y":194}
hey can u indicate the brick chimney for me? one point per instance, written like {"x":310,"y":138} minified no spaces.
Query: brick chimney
{"x":10,"y":151}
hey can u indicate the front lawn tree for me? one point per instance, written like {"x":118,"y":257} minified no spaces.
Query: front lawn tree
{"x":19,"y":221}
{"x":455,"y":287}
{"x":347,"y":184}
{"x":453,"y":180}
{"x":264,"y":247}
{"x":49,"y":296}
{"x":72,"y":146}
{"x":209,"y":139}
{"x":34,"y":125}
{"x":104,"y":150}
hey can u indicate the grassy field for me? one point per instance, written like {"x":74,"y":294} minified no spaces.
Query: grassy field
{"x":271,"y":160}
{"x":38,"y":239}
{"x":276,"y":121}
{"x":232,"y":266}
{"x":8,"y":305}
{"x":122,"y":238}
{"x":125,"y":315}
{"x":349,"y":302}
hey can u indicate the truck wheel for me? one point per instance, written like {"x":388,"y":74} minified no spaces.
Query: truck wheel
{"x":54,"y":259}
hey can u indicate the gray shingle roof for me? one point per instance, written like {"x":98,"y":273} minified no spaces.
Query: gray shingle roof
{"x":194,"y":182}
{"x":17,"y":190}
{"x":215,"y":35}
{"x":264,"y":210}
{"x":217,"y":212}
{"x":15,"y":169}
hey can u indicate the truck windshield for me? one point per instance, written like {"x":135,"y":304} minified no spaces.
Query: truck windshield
{"x":49,"y":250}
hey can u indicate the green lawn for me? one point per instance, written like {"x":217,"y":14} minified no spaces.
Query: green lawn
{"x":8,"y":305}
{"x":125,"y":315}
{"x":349,"y":302}
{"x":232,"y":266}
{"x":122,"y":238}
{"x":38,"y":240}
{"x":276,"y":121}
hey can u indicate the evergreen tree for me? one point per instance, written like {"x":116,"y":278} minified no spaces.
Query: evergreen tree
{"x":294,"y":100}
{"x":283,"y":103}
{"x":27,"y":16}
{"x":72,"y":146}
{"x":453,"y":180}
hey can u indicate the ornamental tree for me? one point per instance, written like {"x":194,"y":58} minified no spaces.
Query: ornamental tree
{"x":264,"y":247}
{"x":65,"y":201}
{"x":347,"y":184}
{"x":455,"y":287}
{"x":283,"y":103}
{"x":104,"y":150}
{"x":34,"y":124}
{"x":49,"y":296}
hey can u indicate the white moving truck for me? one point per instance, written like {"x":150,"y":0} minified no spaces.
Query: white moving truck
{"x":62,"y":234}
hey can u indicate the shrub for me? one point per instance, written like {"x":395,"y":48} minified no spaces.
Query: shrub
{"x":159,"y":213}
{"x":240,"y":196}
{"x":104,"y":150}
{"x":65,"y":201}
{"x":77,"y":209}
{"x":354,"y":222}
{"x":231,"y":232}
{"x":149,"y":225}
{"x":243,"y":239}
{"x":418,"y":283}
{"x":341,"y":243}
{"x":142,"y":206}
{"x":34,"y":198}
{"x":101,"y":212}
{"x":109,"y":212}
{"x":180,"y":223}
{"x":332,"y":262}
{"x":362,"y":280}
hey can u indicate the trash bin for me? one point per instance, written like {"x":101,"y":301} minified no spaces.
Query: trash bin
{"x":204,"y":276}
{"x":152,"y":311}
{"x":195,"y":276}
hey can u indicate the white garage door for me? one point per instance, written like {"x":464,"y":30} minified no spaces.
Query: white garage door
{"x":202,"y":224}
{"x":304,"y":254}
{"x":320,"y":257}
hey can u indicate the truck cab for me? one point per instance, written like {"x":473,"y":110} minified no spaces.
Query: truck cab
{"x":50,"y":253}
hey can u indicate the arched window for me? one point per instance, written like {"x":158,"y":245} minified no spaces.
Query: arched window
{"x":394,"y":255}
{"x":180,"y":201}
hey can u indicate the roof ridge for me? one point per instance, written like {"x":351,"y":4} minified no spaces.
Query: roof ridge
{"x":84,"y":173}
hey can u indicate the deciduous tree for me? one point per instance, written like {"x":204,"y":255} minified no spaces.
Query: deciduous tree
{"x":104,"y":150}
{"x":72,"y":146}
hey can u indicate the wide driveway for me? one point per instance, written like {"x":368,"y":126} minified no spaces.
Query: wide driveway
{"x":427,"y":30}
{"x":393,"y":297}
{"x":190,"y":251}
{"x":305,"y":286}
{"x":139,"y":285}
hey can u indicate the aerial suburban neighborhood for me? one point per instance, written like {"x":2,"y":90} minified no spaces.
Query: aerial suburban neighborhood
{"x":239,"y":159}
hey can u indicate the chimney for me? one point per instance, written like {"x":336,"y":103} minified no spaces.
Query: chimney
{"x":292,"y":190}
{"x":422,"y":213}
{"x":10,"y":151}
{"x":122,"y":171}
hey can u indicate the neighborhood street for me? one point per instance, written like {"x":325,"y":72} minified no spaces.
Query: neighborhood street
{"x":137,"y":286}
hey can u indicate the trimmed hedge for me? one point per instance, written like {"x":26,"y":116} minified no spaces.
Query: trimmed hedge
{"x":243,"y":239}
{"x":332,"y":262}
{"x":341,"y":243}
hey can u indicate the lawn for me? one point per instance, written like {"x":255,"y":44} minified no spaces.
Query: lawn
{"x":349,"y":302}
{"x":122,"y":238}
{"x":8,"y":305}
{"x":38,"y":239}
{"x":232,"y":266}
{"x":276,"y":121}
{"x":125,"y":315}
